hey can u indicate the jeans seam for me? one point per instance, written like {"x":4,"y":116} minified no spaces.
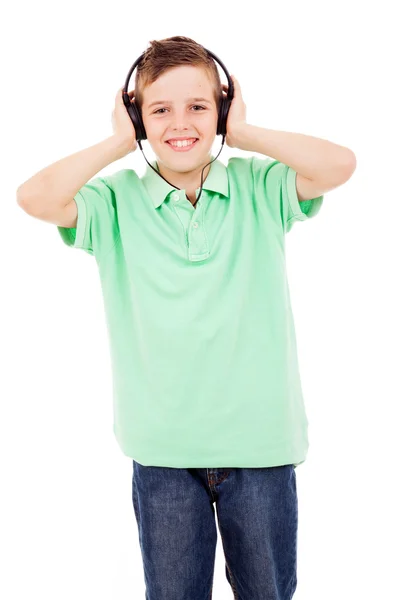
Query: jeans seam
{"x":235,"y":594}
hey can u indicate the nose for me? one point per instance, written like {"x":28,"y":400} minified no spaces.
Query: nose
{"x":180,"y":119}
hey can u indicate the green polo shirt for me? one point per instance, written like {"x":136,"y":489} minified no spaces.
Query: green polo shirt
{"x":201,"y":332}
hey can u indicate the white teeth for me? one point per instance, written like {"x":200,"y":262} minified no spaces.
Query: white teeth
{"x":182,"y":144}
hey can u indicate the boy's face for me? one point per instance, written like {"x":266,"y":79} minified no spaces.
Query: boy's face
{"x":181,"y":116}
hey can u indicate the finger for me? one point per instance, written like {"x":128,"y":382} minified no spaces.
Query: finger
{"x":131,"y":93}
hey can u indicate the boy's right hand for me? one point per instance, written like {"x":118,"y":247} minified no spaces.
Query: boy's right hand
{"x":122,"y":123}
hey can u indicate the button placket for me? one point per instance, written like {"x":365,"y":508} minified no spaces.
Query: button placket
{"x":196,"y":238}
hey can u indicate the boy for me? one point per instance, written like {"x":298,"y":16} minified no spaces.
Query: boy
{"x":207,"y":395}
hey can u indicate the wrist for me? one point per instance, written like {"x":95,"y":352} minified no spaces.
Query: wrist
{"x":121,"y":146}
{"x":242,"y":134}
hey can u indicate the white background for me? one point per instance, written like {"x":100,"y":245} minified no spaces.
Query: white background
{"x":323,"y":69}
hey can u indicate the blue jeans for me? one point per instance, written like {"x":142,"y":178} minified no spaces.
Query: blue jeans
{"x":257,"y":514}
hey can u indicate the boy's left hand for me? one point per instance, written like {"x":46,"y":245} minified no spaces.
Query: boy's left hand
{"x":236,"y":114}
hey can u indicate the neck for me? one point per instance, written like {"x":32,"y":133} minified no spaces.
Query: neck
{"x":189,"y":181}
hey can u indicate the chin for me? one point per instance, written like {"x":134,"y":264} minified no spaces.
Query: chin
{"x":182,"y":161}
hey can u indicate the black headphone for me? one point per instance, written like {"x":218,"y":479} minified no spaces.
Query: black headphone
{"x":137,"y":121}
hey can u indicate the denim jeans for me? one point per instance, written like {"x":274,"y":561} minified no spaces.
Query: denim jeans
{"x":257,"y":513}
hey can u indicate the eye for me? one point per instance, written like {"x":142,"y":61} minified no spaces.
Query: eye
{"x":194,"y":106}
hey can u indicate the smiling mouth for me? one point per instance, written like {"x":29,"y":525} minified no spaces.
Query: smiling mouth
{"x":182,"y":147}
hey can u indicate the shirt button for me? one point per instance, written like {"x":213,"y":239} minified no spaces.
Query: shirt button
{"x":195,"y":224}
{"x":175,"y":196}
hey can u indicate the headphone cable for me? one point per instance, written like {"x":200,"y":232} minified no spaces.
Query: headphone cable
{"x":201,"y":185}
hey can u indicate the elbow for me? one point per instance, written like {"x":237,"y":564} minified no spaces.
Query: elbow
{"x":29,"y":204}
{"x":350,"y":164}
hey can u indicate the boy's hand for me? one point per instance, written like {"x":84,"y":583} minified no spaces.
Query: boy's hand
{"x":237,"y":113}
{"x":121,"y":122}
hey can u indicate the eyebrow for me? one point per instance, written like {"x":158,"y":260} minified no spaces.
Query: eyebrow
{"x":188,"y":100}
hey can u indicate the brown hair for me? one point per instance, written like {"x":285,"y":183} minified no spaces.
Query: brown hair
{"x":172,"y":52}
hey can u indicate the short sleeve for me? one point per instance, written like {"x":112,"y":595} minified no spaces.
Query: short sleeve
{"x":277,"y":182}
{"x":97,"y":224}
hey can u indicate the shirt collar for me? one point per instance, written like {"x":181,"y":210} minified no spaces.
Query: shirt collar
{"x":159,"y":189}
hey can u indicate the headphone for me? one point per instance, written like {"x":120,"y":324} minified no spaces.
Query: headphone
{"x":137,"y":121}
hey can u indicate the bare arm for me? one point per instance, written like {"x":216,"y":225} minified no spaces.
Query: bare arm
{"x":48,"y":192}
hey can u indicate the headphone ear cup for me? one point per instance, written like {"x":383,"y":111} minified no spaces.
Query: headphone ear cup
{"x":223,"y":116}
{"x":137,"y":122}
